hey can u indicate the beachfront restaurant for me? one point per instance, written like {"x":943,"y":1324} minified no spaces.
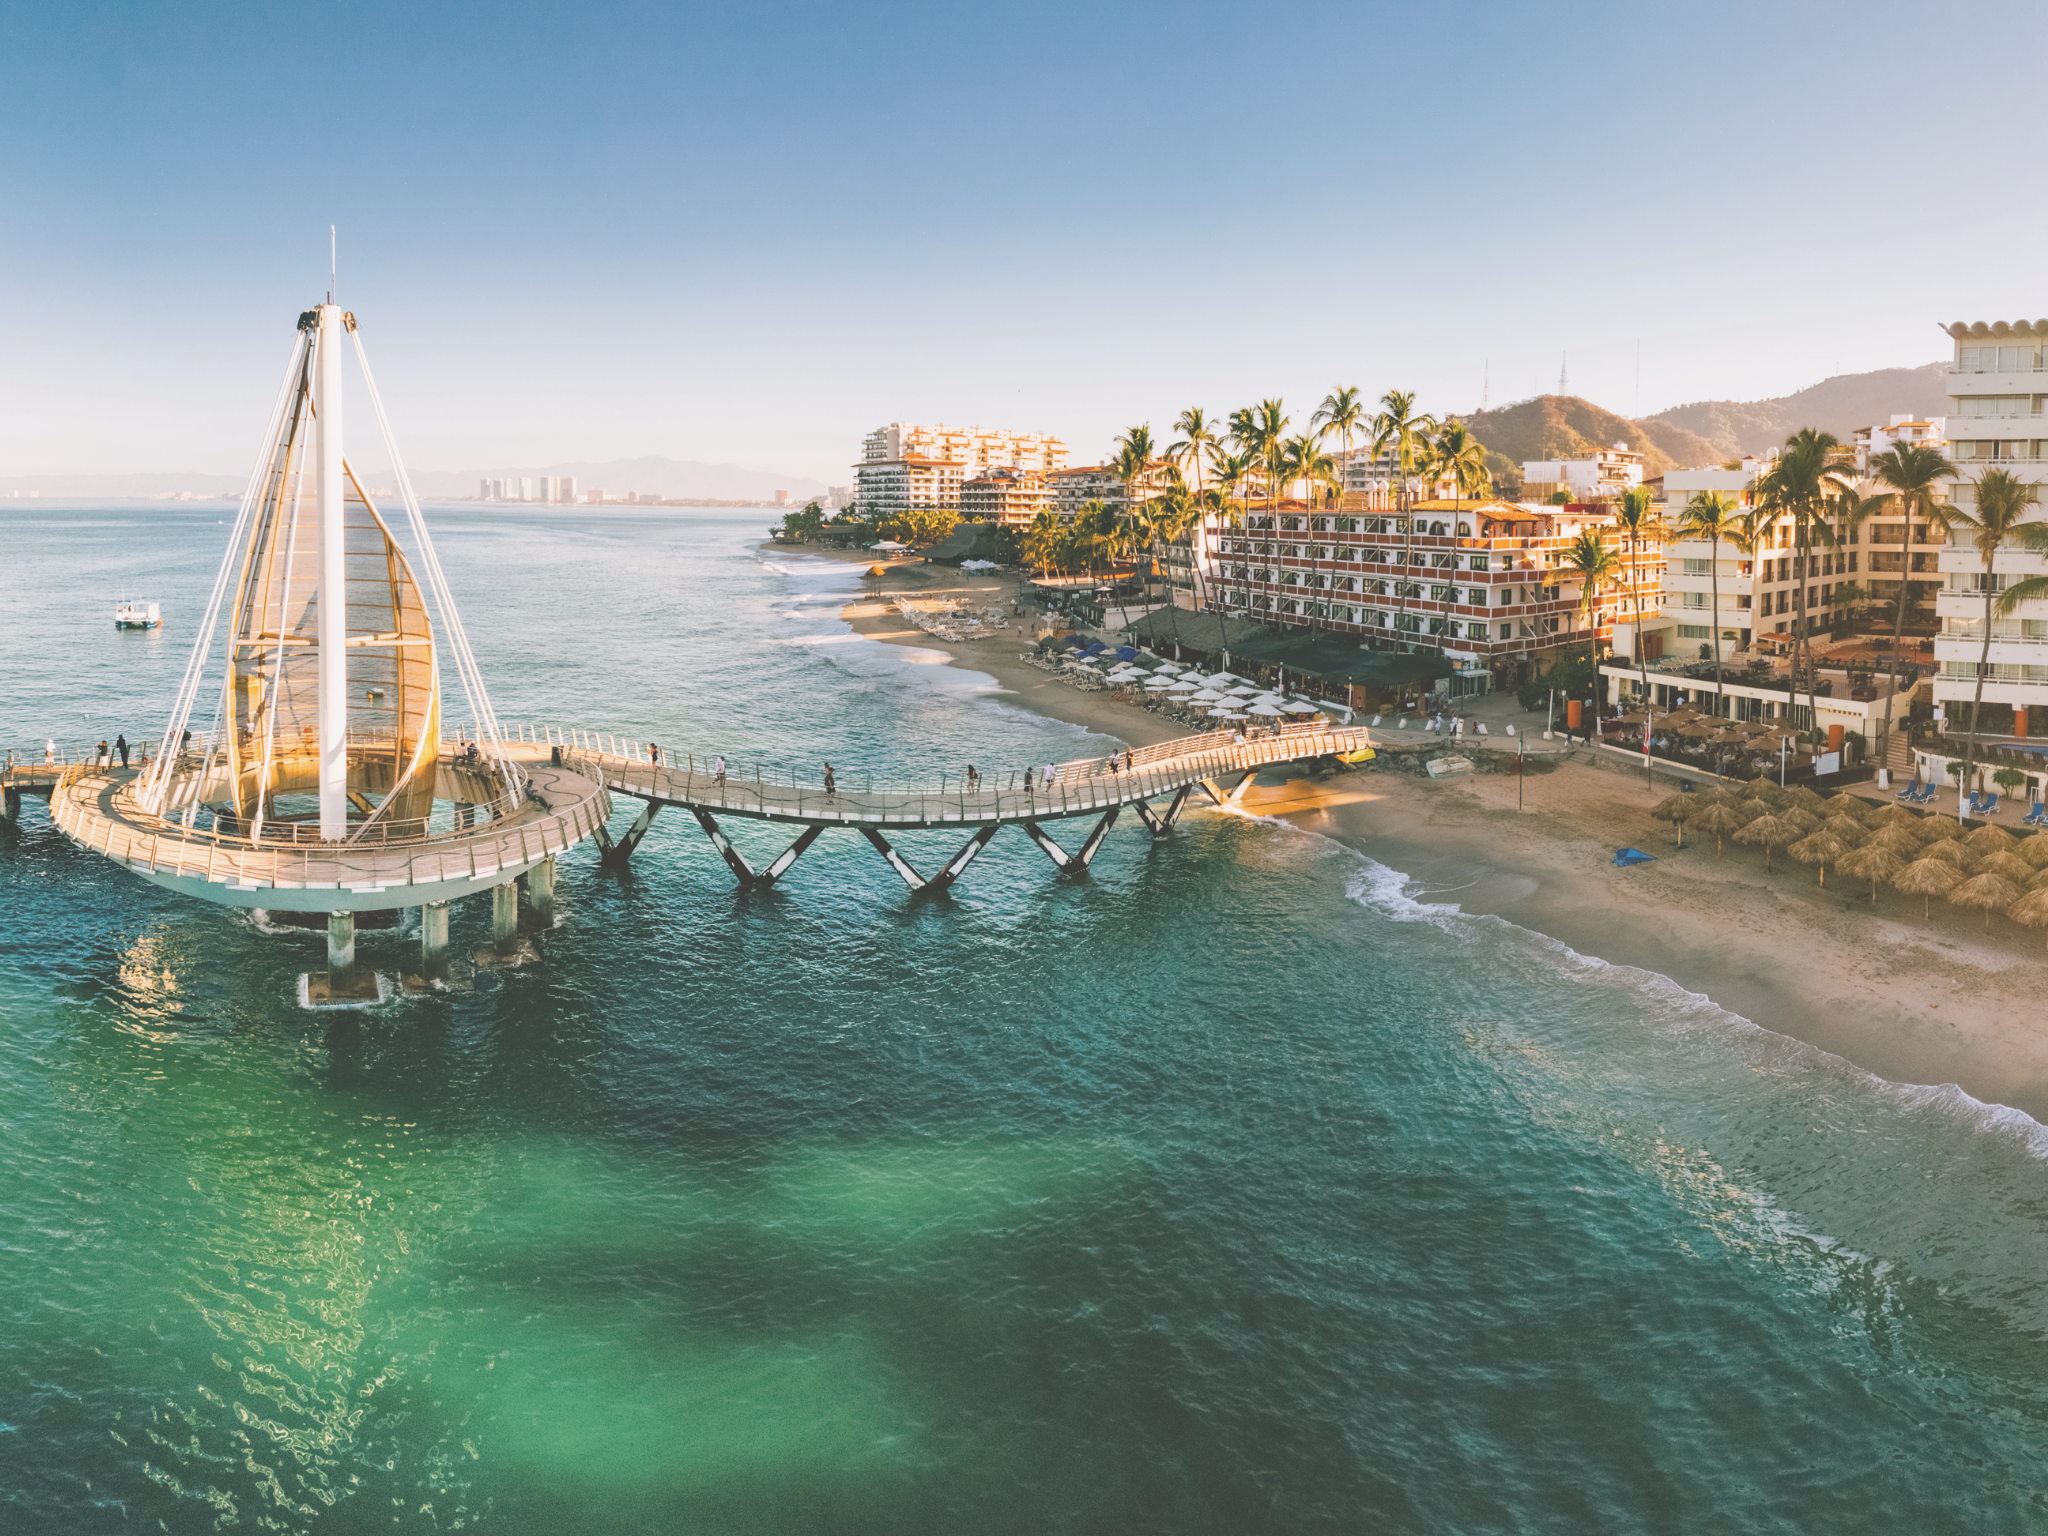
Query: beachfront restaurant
{"x":1848,"y":702}
{"x":1318,"y":663}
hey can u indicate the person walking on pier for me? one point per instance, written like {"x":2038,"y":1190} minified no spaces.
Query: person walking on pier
{"x":973,"y":780}
{"x":121,"y":746}
{"x":831,"y":784}
{"x":101,"y":761}
{"x":1027,"y":781}
{"x":718,"y":770}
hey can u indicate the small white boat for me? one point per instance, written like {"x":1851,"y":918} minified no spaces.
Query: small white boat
{"x":134,"y":615}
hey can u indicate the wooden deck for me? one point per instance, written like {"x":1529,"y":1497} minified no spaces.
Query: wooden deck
{"x":96,"y":808}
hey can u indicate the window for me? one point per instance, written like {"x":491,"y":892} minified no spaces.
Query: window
{"x":1482,"y":562}
{"x":1442,"y":594}
{"x":1695,"y":631}
{"x":1476,"y":597}
{"x":1697,"y":568}
{"x":1692,"y":599}
{"x":1507,"y":631}
{"x":1444,"y":562}
{"x":1478,"y":631}
{"x":1438,"y":626}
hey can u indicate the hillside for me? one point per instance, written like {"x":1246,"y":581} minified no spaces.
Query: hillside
{"x":1838,"y":405}
{"x":1567,"y":427}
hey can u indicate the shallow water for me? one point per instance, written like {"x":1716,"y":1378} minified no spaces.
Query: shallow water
{"x":1226,"y":1189}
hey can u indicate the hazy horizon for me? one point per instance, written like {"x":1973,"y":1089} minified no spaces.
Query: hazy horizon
{"x":749,"y":237}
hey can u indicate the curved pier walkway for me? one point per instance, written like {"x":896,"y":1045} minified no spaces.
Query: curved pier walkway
{"x":1098,"y":787}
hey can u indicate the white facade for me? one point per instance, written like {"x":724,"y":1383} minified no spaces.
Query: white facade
{"x":977,"y":449}
{"x":1901,"y":430}
{"x":1998,"y":388}
{"x":1603,"y":477}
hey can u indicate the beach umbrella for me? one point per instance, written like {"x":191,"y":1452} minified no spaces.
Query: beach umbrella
{"x":1895,"y":816}
{"x":1993,"y":893}
{"x":1299,"y":708}
{"x":1765,"y":788}
{"x":1206,"y":696}
{"x":1990,"y":840}
{"x":1949,"y":852}
{"x":1804,"y":820}
{"x":2034,"y":850}
{"x":1169,"y":666}
{"x":1771,"y":831}
{"x":1678,"y":808}
{"x":1805,"y":799}
{"x":1846,"y":830}
{"x":1696,"y":730}
{"x":1935,"y":829}
{"x":1894,"y":838}
{"x":2038,"y":880}
{"x":2006,"y":865}
{"x":1180,"y":685}
{"x":1262,"y":709}
{"x":1846,"y":804}
{"x":1872,"y":862}
{"x":1927,"y":879}
{"x":1719,"y":820}
{"x":2031,"y":909}
{"x":1158,"y":684}
{"x":1818,"y":849}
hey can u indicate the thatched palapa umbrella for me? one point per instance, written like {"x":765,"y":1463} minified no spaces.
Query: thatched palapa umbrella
{"x":1801,"y":818}
{"x":1872,"y":862}
{"x":2007,"y":867}
{"x":1895,"y":816}
{"x":1721,"y":820}
{"x":1846,"y":829}
{"x":2034,"y":850}
{"x":1991,"y":892}
{"x":1806,"y":799}
{"x":1679,"y":808}
{"x":1846,"y":804}
{"x":2031,"y":909}
{"x":1951,"y":853}
{"x":1898,"y":838}
{"x":2040,"y":880}
{"x":1818,"y":849}
{"x":1927,"y":879}
{"x":1936,"y":829}
{"x":1989,"y":839}
{"x":1772,"y":832}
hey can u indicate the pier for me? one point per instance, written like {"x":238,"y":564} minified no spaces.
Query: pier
{"x":1100,"y":788}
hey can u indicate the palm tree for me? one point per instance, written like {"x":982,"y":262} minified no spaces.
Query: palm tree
{"x":1398,"y":426}
{"x":1912,"y":475}
{"x":1197,"y":438}
{"x":1042,"y":538}
{"x":1799,"y":487}
{"x":1232,"y":470}
{"x":1457,"y":456}
{"x":1712,"y":516}
{"x":1342,"y":412}
{"x":1134,"y":453}
{"x":2003,"y":502}
{"x":1636,"y":518}
{"x":1304,"y":459}
{"x":1592,"y":562}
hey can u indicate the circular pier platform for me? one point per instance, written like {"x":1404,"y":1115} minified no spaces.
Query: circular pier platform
{"x":374,"y":871}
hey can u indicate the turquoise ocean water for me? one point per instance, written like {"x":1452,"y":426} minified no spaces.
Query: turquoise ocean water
{"x":1228,"y":1189}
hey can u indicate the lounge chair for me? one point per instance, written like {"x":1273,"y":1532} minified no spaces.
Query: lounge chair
{"x":1921,"y":794}
{"x":1911,"y":793}
{"x":2036,"y":816}
{"x":1990,"y":806}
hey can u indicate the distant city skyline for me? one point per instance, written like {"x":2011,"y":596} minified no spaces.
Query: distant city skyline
{"x":725,"y":273}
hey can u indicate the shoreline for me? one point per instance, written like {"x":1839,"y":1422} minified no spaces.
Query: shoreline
{"x":1912,"y":1001}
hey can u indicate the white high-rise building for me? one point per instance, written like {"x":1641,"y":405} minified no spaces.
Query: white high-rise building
{"x":908,"y":465}
{"x":1998,"y":387}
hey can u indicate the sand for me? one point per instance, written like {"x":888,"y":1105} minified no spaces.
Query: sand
{"x":1911,"y":1000}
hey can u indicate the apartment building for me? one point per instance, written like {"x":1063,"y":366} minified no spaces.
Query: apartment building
{"x":1067,"y":491}
{"x":1481,"y":582}
{"x":907,"y":464}
{"x":1900,"y":431}
{"x":1603,"y":477}
{"x":1012,"y":497}
{"x":1998,"y":387}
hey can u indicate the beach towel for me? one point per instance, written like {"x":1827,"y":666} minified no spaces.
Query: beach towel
{"x":1623,"y":857}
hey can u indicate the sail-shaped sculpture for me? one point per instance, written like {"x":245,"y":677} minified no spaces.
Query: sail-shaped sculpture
{"x":324,"y":779}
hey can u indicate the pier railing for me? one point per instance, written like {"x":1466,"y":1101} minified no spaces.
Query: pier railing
{"x":652,"y":772}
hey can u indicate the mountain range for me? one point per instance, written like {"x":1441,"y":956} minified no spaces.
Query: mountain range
{"x":682,"y":479}
{"x":1710,"y":431}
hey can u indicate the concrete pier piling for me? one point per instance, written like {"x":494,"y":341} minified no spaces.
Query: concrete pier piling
{"x":434,"y":941}
{"x":341,"y":950}
{"x":12,"y":813}
{"x":540,"y":890}
{"x":505,"y":917}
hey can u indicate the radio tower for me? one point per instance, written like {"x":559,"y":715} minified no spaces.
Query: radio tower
{"x":1564,"y":379}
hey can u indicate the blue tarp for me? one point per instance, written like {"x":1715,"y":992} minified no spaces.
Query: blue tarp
{"x":1627,"y":856}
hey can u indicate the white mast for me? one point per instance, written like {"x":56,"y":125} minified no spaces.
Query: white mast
{"x":332,"y":600}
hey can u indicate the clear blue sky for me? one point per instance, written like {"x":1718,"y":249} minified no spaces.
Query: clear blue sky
{"x":751,"y":232}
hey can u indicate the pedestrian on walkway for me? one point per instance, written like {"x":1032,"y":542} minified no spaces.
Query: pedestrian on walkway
{"x":121,"y":746}
{"x":1027,"y":781}
{"x":831,"y":784}
{"x":973,"y":780}
{"x":718,"y":771}
{"x":102,"y":762}
{"x":50,"y":751}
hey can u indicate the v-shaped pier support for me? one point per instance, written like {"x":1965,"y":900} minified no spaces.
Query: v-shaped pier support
{"x":612,"y":850}
{"x":1234,"y":795}
{"x":737,"y":863}
{"x":1161,"y":822}
{"x":1073,"y":862}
